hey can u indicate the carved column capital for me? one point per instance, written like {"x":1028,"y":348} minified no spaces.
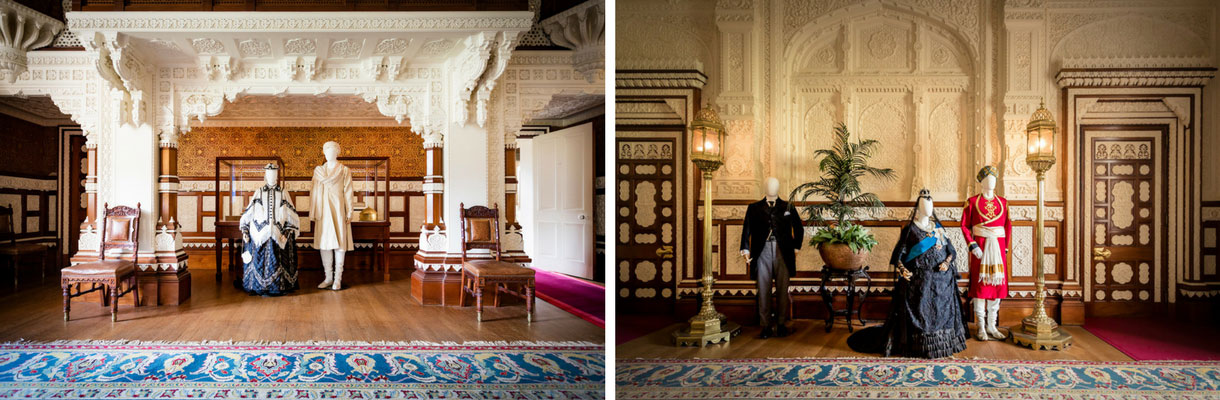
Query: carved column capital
{"x":24,"y":29}
{"x":582,"y":29}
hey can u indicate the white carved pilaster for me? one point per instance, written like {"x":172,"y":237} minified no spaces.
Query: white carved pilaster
{"x":503,"y":52}
{"x":468,"y":68}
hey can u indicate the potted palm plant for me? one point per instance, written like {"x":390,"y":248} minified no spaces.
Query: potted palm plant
{"x":843,"y":244}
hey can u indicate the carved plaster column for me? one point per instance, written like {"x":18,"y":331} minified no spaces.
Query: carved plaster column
{"x":583,"y":29}
{"x":23,"y":29}
{"x":472,"y":76}
{"x":434,"y":187}
{"x":428,"y":281}
{"x":171,"y":281}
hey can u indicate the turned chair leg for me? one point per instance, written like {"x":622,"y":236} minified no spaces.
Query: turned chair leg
{"x":478,"y":299}
{"x":462,"y":296}
{"x":136,"y":289}
{"x":114,"y":301}
{"x":529,"y":302}
{"x":495,"y":300}
{"x":67,"y":299}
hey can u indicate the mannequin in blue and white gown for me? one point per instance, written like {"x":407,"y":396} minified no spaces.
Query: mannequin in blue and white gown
{"x":269,"y":228}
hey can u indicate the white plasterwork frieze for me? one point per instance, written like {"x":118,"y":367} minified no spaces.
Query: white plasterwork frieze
{"x":156,"y":21}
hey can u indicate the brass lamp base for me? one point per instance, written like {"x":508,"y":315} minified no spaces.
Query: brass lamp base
{"x":703,"y":333}
{"x":1040,"y":338}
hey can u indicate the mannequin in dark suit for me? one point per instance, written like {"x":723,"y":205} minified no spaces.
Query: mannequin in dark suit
{"x":771,"y":235}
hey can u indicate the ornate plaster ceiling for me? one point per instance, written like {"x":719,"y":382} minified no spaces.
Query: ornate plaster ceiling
{"x":567,"y":105}
{"x":37,"y":109}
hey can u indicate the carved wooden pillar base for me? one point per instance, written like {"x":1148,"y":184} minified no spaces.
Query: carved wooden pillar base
{"x":436,"y":287}
{"x":1071,"y":311}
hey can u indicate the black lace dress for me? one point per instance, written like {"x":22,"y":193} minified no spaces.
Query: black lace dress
{"x":925,"y":318}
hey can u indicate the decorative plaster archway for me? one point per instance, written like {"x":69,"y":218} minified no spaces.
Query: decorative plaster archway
{"x":892,"y":73}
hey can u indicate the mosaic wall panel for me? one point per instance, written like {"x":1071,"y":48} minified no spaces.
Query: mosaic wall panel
{"x":299,"y":147}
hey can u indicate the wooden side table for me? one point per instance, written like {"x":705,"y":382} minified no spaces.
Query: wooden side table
{"x":852,"y":295}
{"x":377,"y":232}
{"x":231,"y":231}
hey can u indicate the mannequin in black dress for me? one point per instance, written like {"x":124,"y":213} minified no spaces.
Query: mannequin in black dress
{"x":925,"y":318}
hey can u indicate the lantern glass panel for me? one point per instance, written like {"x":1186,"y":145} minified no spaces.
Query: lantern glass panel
{"x":1047,"y":140}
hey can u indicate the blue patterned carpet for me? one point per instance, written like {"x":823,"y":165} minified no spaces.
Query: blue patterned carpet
{"x":874,"y":378}
{"x":224,"y":371}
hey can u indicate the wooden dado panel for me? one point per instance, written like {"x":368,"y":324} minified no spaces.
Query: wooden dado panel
{"x":33,"y":210}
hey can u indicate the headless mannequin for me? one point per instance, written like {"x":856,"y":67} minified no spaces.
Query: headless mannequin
{"x":986,"y":310}
{"x":332,"y":260}
{"x":271,"y":178}
{"x":923,"y":220}
{"x":772,"y":187}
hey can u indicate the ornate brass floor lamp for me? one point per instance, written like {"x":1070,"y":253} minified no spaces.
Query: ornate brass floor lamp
{"x":707,"y":149}
{"x":1038,"y":330}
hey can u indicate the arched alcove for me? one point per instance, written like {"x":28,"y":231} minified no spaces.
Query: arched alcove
{"x":891,"y":74}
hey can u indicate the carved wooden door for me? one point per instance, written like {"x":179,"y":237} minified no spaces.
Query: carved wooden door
{"x":645,"y":229}
{"x":1125,"y":198}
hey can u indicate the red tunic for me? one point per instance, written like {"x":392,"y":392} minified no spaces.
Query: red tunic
{"x":992,"y":214}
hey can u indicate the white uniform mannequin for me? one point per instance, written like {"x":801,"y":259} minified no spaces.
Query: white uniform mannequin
{"x":332,"y":198}
{"x":271,"y":178}
{"x":986,"y":310}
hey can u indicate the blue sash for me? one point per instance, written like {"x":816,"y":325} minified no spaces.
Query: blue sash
{"x":919,"y":248}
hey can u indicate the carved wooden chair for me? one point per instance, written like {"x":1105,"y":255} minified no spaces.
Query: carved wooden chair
{"x":14,"y":252}
{"x":481,"y":230}
{"x":120,"y":230}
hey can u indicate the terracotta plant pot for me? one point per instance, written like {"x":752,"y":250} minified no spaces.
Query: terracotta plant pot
{"x":839,"y":256}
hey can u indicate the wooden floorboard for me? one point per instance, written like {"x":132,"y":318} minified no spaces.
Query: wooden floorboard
{"x":366,"y":310}
{"x":810,"y":339}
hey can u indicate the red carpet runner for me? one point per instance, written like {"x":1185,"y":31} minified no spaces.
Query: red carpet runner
{"x":1157,"y":339}
{"x":581,"y":298}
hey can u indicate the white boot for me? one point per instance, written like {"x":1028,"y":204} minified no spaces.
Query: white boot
{"x":993,"y":313}
{"x":338,"y":270}
{"x":327,"y":261}
{"x":980,"y":319}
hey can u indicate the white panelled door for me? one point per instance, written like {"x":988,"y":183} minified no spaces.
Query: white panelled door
{"x":563,"y":201}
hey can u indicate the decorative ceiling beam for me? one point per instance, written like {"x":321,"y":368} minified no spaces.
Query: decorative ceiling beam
{"x":22,"y":29}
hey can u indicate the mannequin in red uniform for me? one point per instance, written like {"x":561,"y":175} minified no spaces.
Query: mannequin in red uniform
{"x":987,"y":229}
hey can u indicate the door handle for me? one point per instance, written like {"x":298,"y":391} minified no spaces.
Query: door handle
{"x":666,"y":252}
{"x":1100,"y":253}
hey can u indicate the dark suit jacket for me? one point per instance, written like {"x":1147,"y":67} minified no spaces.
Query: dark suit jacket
{"x":789,"y":235}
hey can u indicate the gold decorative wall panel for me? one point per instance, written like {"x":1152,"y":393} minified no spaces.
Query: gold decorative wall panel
{"x":299,"y":147}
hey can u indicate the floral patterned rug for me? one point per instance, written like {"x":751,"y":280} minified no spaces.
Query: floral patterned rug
{"x":874,"y":378}
{"x":217,"y":370}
